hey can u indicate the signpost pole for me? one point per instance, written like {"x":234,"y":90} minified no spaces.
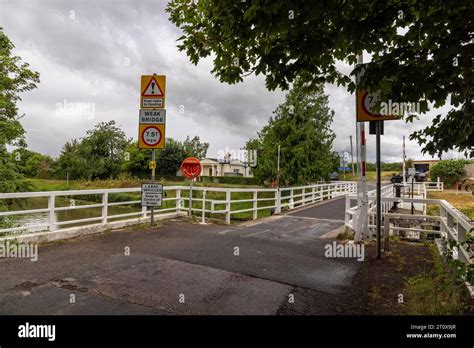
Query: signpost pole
{"x":344,"y":164}
{"x":190,"y":196}
{"x":378,"y":125}
{"x":403,"y":167}
{"x":152,"y":218}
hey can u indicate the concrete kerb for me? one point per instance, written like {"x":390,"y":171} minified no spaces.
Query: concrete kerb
{"x":72,"y":232}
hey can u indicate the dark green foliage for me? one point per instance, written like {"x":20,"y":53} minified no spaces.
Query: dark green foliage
{"x":301,"y":126}
{"x":135,"y":161}
{"x":429,"y":61}
{"x":231,"y":180}
{"x":449,"y":171}
{"x":96,"y":156}
{"x":15,"y":78}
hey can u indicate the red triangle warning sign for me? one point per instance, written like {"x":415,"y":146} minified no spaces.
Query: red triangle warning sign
{"x":153,"y":89}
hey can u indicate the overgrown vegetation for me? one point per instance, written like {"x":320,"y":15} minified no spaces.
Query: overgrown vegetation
{"x":449,"y":171}
{"x":438,"y":292}
{"x":430,"y":63}
{"x":15,"y":78}
{"x":462,"y":201}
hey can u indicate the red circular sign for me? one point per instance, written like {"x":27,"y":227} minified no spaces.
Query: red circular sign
{"x":191,"y":167}
{"x":151,"y":135}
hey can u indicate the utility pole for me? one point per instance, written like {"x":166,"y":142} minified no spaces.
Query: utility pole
{"x":352,"y":158}
{"x":378,"y":126}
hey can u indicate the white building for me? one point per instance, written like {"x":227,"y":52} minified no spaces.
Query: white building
{"x":213,"y":167}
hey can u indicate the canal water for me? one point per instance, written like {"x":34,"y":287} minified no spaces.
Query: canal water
{"x":42,"y":218}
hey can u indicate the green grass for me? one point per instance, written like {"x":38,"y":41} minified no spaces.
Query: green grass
{"x":370,"y":176}
{"x":462,"y":201}
{"x":435,"y":293}
{"x":60,"y":185}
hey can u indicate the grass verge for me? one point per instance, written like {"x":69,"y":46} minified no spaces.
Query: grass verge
{"x":437,"y":292}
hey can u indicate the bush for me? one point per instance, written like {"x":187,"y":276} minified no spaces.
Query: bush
{"x":231,"y":180}
{"x":449,"y":171}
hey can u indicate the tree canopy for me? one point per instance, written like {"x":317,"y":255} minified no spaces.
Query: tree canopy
{"x":96,"y":156}
{"x":301,"y":126}
{"x":421,"y":51}
{"x":15,"y":78}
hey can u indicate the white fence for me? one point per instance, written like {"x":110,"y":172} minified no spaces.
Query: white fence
{"x":206,"y":202}
{"x":449,"y":223}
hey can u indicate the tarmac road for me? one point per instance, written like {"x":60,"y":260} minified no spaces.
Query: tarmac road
{"x":187,"y":268}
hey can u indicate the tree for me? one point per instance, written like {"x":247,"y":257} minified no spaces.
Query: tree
{"x":301,"y":126}
{"x":96,"y":156}
{"x":33,"y":164}
{"x":195,"y":148}
{"x":421,"y":51}
{"x":135,"y":161}
{"x":15,"y":78}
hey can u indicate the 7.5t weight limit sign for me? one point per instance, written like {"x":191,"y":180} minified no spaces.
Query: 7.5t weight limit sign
{"x":151,"y":136}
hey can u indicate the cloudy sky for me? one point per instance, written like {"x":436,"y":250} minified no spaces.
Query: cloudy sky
{"x":93,"y":53}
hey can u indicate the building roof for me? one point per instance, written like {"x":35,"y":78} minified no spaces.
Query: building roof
{"x":423,"y":161}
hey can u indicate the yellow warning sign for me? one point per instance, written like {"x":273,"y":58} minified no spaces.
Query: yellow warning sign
{"x":151,"y":136}
{"x":152,"y":91}
{"x":366,"y":104}
{"x":152,"y":164}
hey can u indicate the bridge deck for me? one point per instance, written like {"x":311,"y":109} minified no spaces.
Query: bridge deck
{"x":278,"y":256}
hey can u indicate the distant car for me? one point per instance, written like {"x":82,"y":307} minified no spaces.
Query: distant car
{"x":334,"y":176}
{"x":421,"y":176}
{"x":396,"y":178}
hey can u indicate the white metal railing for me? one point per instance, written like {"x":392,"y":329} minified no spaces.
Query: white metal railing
{"x":205,"y":200}
{"x":52,"y":223}
{"x":450,"y":224}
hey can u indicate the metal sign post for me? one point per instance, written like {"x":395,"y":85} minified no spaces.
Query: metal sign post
{"x":190,"y":212}
{"x":411,"y":172}
{"x":191,"y":168}
{"x":379,"y":197}
{"x":151,"y":130}
{"x":152,"y":218}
